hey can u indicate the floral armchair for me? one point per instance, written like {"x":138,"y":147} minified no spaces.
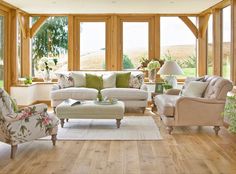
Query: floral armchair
{"x":27,"y":124}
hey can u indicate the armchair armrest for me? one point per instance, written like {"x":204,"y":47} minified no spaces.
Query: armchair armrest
{"x":200,"y":100}
{"x":173,"y":91}
{"x":144,"y":87}
{"x":27,"y":112}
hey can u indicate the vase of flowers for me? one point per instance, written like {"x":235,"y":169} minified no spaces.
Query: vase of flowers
{"x":46,"y":65}
{"x":152,"y":70}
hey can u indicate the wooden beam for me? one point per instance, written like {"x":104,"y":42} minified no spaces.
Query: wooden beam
{"x":204,"y":25}
{"x":71,"y":42}
{"x":190,"y":25}
{"x":219,"y":5}
{"x":157,"y":36}
{"x":217,"y":41}
{"x":202,"y":49}
{"x":233,"y":41}
{"x":22,"y":25}
{"x":37,"y":25}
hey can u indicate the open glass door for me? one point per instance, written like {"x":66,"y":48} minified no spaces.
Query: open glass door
{"x":1,"y":50}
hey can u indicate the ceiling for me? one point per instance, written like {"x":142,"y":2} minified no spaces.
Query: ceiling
{"x":113,"y":6}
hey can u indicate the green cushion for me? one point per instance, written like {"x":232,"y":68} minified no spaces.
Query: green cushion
{"x":14,"y":105}
{"x":94,"y":81}
{"x":122,"y":80}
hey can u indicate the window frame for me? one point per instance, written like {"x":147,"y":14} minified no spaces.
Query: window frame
{"x":151,"y":36}
{"x":77,"y":21}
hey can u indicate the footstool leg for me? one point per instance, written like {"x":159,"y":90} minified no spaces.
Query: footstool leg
{"x":67,"y":119}
{"x":118,"y":123}
{"x":62,"y":122}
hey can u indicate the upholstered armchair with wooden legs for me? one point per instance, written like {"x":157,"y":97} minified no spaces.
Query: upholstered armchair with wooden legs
{"x":27,"y":124}
{"x":177,"y":110}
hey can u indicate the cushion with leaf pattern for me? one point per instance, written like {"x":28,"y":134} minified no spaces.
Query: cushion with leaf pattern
{"x":136,"y":81}
{"x":65,"y":80}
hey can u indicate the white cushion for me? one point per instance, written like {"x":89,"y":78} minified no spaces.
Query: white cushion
{"x":195,"y":89}
{"x":74,"y":93}
{"x":125,"y":93}
{"x":79,"y":79}
{"x":109,"y":80}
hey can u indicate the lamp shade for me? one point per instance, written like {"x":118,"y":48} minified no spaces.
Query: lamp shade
{"x":170,"y":68}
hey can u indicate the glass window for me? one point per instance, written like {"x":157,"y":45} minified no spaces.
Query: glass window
{"x":226,"y":42}
{"x":1,"y":50}
{"x":51,"y":41}
{"x":135,"y":43}
{"x":92,"y":45}
{"x":179,"y":43}
{"x":210,"y":47}
{"x":18,"y":49}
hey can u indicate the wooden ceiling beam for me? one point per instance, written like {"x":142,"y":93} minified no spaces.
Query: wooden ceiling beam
{"x":219,"y":5}
{"x":190,"y":25}
{"x":37,"y":25}
{"x":22,"y":25}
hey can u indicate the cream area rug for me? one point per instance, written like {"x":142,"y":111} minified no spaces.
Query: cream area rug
{"x":132,"y":128}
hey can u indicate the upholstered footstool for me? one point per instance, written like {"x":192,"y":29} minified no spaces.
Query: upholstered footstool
{"x":91,"y":110}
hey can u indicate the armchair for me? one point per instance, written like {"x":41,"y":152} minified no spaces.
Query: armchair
{"x":176,"y":110}
{"x":27,"y":124}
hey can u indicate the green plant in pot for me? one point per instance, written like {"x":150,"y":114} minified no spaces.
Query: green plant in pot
{"x":152,"y":70}
{"x":28,"y":80}
{"x":230,"y":112}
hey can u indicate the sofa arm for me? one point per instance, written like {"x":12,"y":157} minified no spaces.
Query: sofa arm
{"x":173,"y":91}
{"x":199,"y":111}
{"x":144,"y":87}
{"x":55,"y":87}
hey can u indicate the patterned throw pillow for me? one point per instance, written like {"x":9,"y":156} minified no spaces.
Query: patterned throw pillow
{"x":65,"y":81}
{"x":136,"y":81}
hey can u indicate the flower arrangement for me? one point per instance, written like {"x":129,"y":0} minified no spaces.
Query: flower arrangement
{"x":153,"y":64}
{"x":47,"y":64}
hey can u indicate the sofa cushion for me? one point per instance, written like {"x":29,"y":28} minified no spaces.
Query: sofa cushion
{"x":122,"y":80}
{"x":109,"y":80}
{"x":166,"y":104}
{"x":136,"y":81}
{"x":195,"y":89}
{"x":79,"y":79}
{"x":74,"y":93}
{"x":94,"y":81}
{"x":125,"y":93}
{"x":65,"y":80}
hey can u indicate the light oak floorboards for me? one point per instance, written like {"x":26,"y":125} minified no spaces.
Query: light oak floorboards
{"x":190,"y":150}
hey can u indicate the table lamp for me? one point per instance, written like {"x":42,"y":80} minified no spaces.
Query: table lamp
{"x":170,"y":69}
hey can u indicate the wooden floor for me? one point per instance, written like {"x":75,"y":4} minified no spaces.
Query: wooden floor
{"x":188,"y":150}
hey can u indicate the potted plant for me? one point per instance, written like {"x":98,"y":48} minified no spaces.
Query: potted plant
{"x":152,"y":69}
{"x":46,"y":65}
{"x":230,"y":113}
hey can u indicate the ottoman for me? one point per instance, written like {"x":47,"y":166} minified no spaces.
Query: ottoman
{"x":91,"y":110}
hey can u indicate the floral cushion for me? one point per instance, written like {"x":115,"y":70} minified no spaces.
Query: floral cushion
{"x":27,"y":124}
{"x":136,"y":81}
{"x":65,"y":81}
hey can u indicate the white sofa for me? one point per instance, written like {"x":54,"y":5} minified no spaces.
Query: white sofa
{"x":132,"y":97}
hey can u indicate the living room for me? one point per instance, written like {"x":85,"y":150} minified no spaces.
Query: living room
{"x":118,"y":86}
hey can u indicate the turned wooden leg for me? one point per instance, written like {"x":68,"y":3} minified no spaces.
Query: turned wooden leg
{"x":54,"y":139}
{"x":13,"y":151}
{"x":62,"y":122}
{"x":118,"y":123}
{"x":67,"y":119}
{"x":216,"y":129}
{"x":169,"y":129}
{"x":143,"y":109}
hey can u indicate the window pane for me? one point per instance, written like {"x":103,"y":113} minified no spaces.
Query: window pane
{"x":18,"y":49}
{"x":1,"y":50}
{"x":226,"y":42}
{"x":209,"y":47}
{"x":50,"y":41}
{"x":135,"y":43}
{"x":92,"y":45}
{"x":178,"y":43}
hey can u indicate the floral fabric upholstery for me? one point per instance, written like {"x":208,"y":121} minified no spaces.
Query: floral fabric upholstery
{"x":27,"y":124}
{"x":136,"y":81}
{"x":65,"y":80}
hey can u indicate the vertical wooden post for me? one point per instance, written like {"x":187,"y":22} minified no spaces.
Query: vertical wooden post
{"x":71,"y":48}
{"x":114,"y":42}
{"x":233,"y":41}
{"x":202,"y":48}
{"x":217,"y":41}
{"x":157,"y":36}
{"x":25,"y":61}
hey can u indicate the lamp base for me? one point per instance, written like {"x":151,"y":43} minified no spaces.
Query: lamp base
{"x":171,"y":80}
